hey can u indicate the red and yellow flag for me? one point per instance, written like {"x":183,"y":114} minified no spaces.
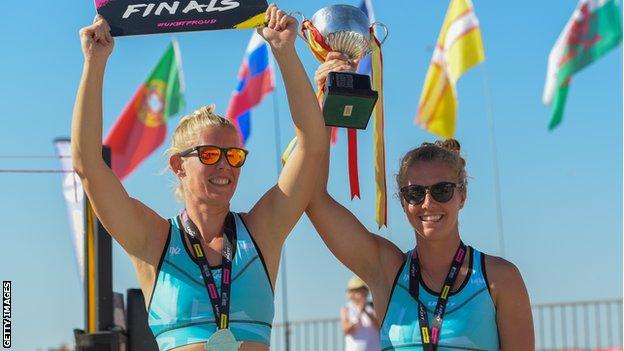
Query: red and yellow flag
{"x":459,"y":48}
{"x":142,"y":127}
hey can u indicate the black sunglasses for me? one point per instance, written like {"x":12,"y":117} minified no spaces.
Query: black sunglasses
{"x":211,"y":154}
{"x":441,"y":192}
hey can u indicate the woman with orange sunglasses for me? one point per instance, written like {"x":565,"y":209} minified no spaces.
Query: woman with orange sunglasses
{"x":207,"y":274}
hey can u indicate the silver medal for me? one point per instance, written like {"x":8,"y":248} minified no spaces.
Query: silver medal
{"x":223,"y":340}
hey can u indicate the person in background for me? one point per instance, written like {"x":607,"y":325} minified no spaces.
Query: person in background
{"x":359,"y":322}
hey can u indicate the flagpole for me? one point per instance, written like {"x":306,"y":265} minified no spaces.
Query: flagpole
{"x":497,"y":192}
{"x":278,"y":166}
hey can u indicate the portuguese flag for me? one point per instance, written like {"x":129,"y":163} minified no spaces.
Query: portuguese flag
{"x":142,"y":126}
{"x":594,"y":28}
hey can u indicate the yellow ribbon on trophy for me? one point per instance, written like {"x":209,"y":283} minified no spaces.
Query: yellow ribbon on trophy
{"x":320,"y":50}
{"x":381,"y":198}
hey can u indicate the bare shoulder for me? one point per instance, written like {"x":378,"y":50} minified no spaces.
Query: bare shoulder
{"x":260,"y":232}
{"x":269,"y":246}
{"x":504,"y":278}
{"x":392,"y":258}
{"x":146,"y":261}
{"x":513,"y":307}
{"x":157,"y":232}
{"x":250,"y":224}
{"x":255,"y":220}
{"x":499,"y":269}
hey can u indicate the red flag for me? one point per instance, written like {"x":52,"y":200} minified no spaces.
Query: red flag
{"x":142,"y":127}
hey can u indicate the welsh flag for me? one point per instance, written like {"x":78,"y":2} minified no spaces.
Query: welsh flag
{"x":142,"y":126}
{"x":594,"y":28}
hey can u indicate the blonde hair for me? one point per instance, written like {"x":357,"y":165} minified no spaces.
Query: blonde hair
{"x":445,"y":151}
{"x":188,"y":130}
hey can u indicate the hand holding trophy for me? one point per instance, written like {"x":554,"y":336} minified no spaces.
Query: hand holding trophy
{"x":334,"y":62}
{"x":346,"y":97}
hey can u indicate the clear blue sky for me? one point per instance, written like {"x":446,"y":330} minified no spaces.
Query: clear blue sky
{"x":561,"y":191}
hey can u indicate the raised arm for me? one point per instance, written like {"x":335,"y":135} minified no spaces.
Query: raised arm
{"x":130,"y":222}
{"x":371,"y":257}
{"x":274,"y":216}
{"x":345,"y":323}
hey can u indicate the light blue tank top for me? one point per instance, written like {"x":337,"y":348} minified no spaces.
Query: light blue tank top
{"x":180,"y":312}
{"x":469,"y":322}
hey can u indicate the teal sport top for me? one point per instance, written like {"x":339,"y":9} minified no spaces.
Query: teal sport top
{"x":469,"y":322}
{"x":180,"y":312}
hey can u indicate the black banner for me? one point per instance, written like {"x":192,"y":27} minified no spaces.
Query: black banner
{"x":134,"y":17}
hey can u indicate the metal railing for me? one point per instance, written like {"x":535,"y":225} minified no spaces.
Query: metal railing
{"x":574,"y":326}
{"x":582,"y":325}
{"x":317,"y":334}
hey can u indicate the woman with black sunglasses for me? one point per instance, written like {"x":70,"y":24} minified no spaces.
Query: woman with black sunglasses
{"x":207,"y":274}
{"x":443,"y":294}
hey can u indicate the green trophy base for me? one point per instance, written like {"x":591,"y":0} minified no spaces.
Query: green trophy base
{"x":349,"y":100}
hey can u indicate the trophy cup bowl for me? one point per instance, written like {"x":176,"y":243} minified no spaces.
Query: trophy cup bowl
{"x":349,"y":99}
{"x":345,"y":29}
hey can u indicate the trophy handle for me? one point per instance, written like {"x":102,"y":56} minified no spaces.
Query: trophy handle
{"x":297,"y":14}
{"x":384,"y":28}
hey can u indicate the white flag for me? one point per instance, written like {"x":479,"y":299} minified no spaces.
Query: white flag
{"x":74,"y":195}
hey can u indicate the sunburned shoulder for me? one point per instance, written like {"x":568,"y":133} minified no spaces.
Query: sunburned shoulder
{"x":503,"y":277}
{"x":247,"y":220}
{"x":495,"y":263}
{"x":391,"y":259}
{"x":158,"y":233}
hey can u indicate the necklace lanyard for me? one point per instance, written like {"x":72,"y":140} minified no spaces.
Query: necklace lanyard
{"x":430,"y":335}
{"x":220,"y":305}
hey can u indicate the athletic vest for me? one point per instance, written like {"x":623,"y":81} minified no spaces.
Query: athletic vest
{"x":469,"y":322}
{"x":180,"y":312}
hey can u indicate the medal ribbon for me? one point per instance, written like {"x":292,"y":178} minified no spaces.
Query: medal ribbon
{"x":220,"y":305}
{"x":430,"y":335}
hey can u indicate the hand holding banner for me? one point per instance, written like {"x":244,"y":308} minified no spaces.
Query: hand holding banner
{"x":133,"y":17}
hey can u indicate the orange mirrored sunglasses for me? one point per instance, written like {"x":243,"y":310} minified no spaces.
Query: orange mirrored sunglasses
{"x":211,"y":154}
